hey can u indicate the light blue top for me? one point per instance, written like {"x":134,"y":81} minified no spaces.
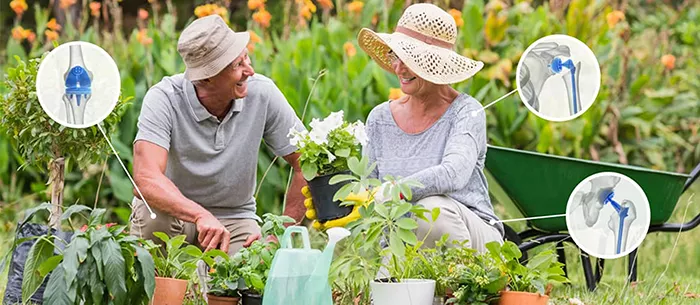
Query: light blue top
{"x":447,"y":158}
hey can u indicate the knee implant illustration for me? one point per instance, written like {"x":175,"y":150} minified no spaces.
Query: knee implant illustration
{"x":601,"y":195}
{"x":546,"y":60}
{"x":78,"y":82}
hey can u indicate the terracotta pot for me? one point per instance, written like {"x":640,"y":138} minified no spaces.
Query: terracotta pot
{"x":522,"y":298}
{"x":169,"y":291}
{"x":217,"y":300}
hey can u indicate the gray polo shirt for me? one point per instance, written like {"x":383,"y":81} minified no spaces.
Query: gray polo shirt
{"x":214,"y":162}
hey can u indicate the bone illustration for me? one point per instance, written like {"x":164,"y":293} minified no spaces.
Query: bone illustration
{"x":594,"y":200}
{"x":601,"y":194}
{"x":78,"y":83}
{"x":545,"y":60}
{"x":620,"y":223}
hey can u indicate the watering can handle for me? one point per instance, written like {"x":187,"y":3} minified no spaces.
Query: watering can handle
{"x":286,"y":241}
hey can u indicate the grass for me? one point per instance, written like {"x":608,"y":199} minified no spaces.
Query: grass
{"x":659,"y":282}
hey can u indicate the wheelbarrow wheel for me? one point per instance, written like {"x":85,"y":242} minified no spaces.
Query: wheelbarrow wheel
{"x":513,"y":236}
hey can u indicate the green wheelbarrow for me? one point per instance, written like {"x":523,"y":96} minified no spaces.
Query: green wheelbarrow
{"x":540,"y":185}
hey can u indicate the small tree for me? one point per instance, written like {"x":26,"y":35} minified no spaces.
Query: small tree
{"x":44,"y":143}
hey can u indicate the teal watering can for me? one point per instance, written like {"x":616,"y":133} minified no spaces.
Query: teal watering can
{"x":299,"y":276}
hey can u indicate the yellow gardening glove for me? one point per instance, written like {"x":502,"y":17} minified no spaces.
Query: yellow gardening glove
{"x":359,"y":199}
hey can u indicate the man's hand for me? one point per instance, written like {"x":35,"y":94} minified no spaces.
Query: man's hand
{"x":361,"y":199}
{"x":212,"y":233}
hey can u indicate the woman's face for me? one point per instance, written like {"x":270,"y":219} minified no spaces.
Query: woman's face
{"x":411,"y":84}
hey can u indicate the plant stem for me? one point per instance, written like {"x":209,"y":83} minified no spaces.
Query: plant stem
{"x":56,"y":179}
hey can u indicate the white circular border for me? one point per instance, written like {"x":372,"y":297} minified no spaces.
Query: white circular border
{"x":110,"y":64}
{"x":573,"y":40}
{"x":645,"y":208}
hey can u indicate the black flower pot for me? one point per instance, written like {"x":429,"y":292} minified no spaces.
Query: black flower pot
{"x":250,"y":298}
{"x":322,"y":194}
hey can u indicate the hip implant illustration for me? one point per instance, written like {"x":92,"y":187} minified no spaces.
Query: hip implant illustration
{"x":602,"y":194}
{"x":546,"y":60}
{"x":78,"y":82}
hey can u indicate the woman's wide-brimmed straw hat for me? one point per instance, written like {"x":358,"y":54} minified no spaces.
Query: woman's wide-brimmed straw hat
{"x":424,"y":39}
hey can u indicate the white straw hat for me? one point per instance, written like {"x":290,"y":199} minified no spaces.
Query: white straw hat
{"x":208,"y":45}
{"x":424,"y":40}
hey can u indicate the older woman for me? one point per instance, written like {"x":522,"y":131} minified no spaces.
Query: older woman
{"x":434,"y":134}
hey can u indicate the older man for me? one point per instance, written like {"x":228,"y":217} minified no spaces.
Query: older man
{"x":199,"y":133}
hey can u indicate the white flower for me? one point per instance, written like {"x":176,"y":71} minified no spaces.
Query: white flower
{"x":297,"y":137}
{"x":331,"y":157}
{"x":334,"y":120}
{"x":357,"y":130}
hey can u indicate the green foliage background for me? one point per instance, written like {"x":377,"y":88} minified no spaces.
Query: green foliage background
{"x":645,"y":114}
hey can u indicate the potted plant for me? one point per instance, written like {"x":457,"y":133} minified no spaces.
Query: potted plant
{"x":102,"y":264}
{"x":223,"y":283}
{"x":475,"y":281}
{"x":383,"y":242}
{"x":529,"y":284}
{"x":324,"y":152}
{"x":175,"y":266}
{"x":254,"y":262}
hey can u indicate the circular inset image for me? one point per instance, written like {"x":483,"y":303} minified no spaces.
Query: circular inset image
{"x":608,"y":215}
{"x":78,"y":84}
{"x":558,"y":78}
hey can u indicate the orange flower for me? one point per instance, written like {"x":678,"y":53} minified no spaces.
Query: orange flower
{"x":254,"y":38}
{"x":31,"y":37}
{"x":457,"y":15}
{"x":262,"y":17}
{"x":51,"y":35}
{"x":395,"y":93}
{"x":84,"y":228}
{"x":305,"y":12}
{"x":210,"y":9}
{"x":256,"y":4}
{"x":143,"y":14}
{"x":356,"y":6}
{"x":669,"y":61}
{"x":614,"y":17}
{"x":19,"y":6}
{"x":95,"y":8}
{"x":18,"y":33}
{"x":64,"y":4}
{"x":349,"y":48}
{"x":142,"y":37}
{"x":53,"y":25}
{"x":326,"y":4}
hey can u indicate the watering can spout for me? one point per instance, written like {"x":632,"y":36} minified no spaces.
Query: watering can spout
{"x":317,"y":285}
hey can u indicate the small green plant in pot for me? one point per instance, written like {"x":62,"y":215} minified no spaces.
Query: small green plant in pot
{"x":474,"y":281}
{"x":529,"y":284}
{"x":324,"y":153}
{"x":383,"y":243}
{"x":223,"y":283}
{"x":176,"y":266}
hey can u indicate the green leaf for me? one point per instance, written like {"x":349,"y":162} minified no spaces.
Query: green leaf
{"x":541,"y":260}
{"x":49,"y":265}
{"x":407,"y":236}
{"x":435,"y":213}
{"x":114,"y":270}
{"x":29,"y":213}
{"x":382,"y":210}
{"x":354,"y":166}
{"x":395,"y":244}
{"x":72,"y":210}
{"x":401,"y":210}
{"x":343,"y":152}
{"x":97,"y":255}
{"x":162,"y":236}
{"x":341,"y":178}
{"x":407,"y":223}
{"x":41,"y":251}
{"x":257,"y":282}
{"x":58,"y":291}
{"x":71,"y":257}
{"x":147,"y":270}
{"x":96,"y":216}
{"x":511,"y":251}
{"x":309,"y":171}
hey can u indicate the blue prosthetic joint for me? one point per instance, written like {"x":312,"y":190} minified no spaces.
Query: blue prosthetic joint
{"x":622,"y":212}
{"x":78,"y":83}
{"x":558,"y":66}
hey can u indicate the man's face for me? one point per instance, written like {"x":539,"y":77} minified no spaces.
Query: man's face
{"x":233,"y":80}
